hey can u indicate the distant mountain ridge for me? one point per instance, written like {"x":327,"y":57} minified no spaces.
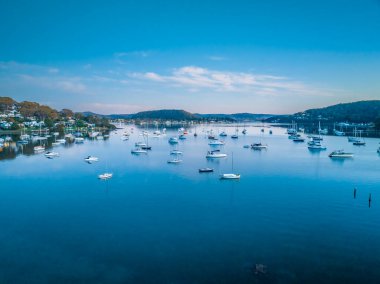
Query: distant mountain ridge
{"x":174,"y":114}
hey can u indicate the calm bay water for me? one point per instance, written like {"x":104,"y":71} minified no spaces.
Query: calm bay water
{"x":293,"y":210}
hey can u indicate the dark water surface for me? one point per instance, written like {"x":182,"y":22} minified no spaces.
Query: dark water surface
{"x":293,"y":210}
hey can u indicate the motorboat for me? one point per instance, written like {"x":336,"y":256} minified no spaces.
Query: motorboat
{"x":230,"y":176}
{"x":175,"y":161}
{"x":51,"y":154}
{"x":175,"y":152}
{"x":206,"y":170}
{"x":91,"y":159}
{"x":340,"y":154}
{"x":61,"y":141}
{"x":359,"y":143}
{"x":173,"y":140}
{"x":234,"y":136}
{"x":316,"y":145}
{"x":259,"y":146}
{"x":216,"y":143}
{"x":39,"y":148}
{"x":223,"y":134}
{"x":216,"y":155}
{"x":105,"y":176}
{"x":79,"y":140}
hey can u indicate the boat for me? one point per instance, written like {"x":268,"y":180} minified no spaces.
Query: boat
{"x":360,"y":141}
{"x":353,"y":138}
{"x":270,"y":132}
{"x":244,"y":131}
{"x":138,"y":151}
{"x":215,"y":155}
{"x":175,"y":152}
{"x":173,"y":140}
{"x":246,"y":146}
{"x":61,"y":141}
{"x":175,"y":161}
{"x":378,"y":150}
{"x":140,"y":144}
{"x":105,"y":176}
{"x":206,"y":170}
{"x":216,"y":143}
{"x":234,"y":136}
{"x":259,"y":146}
{"x":292,"y":129}
{"x":316,"y":145}
{"x":39,"y":148}
{"x":231,"y":175}
{"x":338,"y":132}
{"x":91,"y":159}
{"x":340,"y":154}
{"x":51,"y":154}
{"x":298,"y":139}
{"x":79,"y":140}
{"x":182,"y":137}
{"x":223,"y":134}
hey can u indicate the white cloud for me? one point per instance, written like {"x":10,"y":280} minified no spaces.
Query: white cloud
{"x":193,"y":77}
{"x":216,"y":58}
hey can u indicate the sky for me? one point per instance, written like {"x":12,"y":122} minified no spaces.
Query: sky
{"x":219,"y":56}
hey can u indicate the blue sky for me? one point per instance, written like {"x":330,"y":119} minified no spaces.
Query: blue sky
{"x":201,"y":56}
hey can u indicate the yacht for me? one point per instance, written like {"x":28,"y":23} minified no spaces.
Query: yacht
{"x":223,"y":134}
{"x":173,"y":140}
{"x":206,"y":170}
{"x":138,"y":151}
{"x":230,"y":176}
{"x":174,"y":161}
{"x":39,"y":148}
{"x":105,"y":176}
{"x":91,"y":159}
{"x":340,"y":154}
{"x":216,"y":143}
{"x":215,"y":154}
{"x":259,"y":146}
{"x":316,"y":145}
{"x":51,"y":154}
{"x":79,"y":140}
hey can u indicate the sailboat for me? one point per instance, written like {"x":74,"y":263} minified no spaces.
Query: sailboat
{"x":339,"y":133}
{"x":231,"y":175}
{"x":176,"y":160}
{"x":146,"y":146}
{"x":353,"y":138}
{"x":360,"y":141}
{"x":235,"y":136}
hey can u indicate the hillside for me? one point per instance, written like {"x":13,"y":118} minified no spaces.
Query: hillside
{"x":361,"y":111}
{"x":165,"y":114}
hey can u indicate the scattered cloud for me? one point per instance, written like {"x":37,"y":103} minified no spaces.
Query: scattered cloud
{"x":193,"y":78}
{"x":106,"y":108}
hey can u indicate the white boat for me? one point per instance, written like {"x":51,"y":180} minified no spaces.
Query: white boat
{"x":173,"y":140}
{"x":340,"y":154}
{"x":230,"y":176}
{"x":175,"y":161}
{"x":139,"y":151}
{"x":55,"y":144}
{"x":99,"y":137}
{"x":61,"y":141}
{"x":175,"y":152}
{"x":140,"y":144}
{"x":39,"y":148}
{"x":105,"y":176}
{"x":215,"y":155}
{"x":93,"y":134}
{"x":79,"y":140}
{"x":51,"y":154}
{"x":91,"y":159}
{"x":124,"y":138}
{"x":223,"y":134}
{"x":259,"y":146}
{"x":216,"y":143}
{"x":316,"y":145}
{"x":24,"y":137}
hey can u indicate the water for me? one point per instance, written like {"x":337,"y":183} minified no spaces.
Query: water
{"x":153,"y":222}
